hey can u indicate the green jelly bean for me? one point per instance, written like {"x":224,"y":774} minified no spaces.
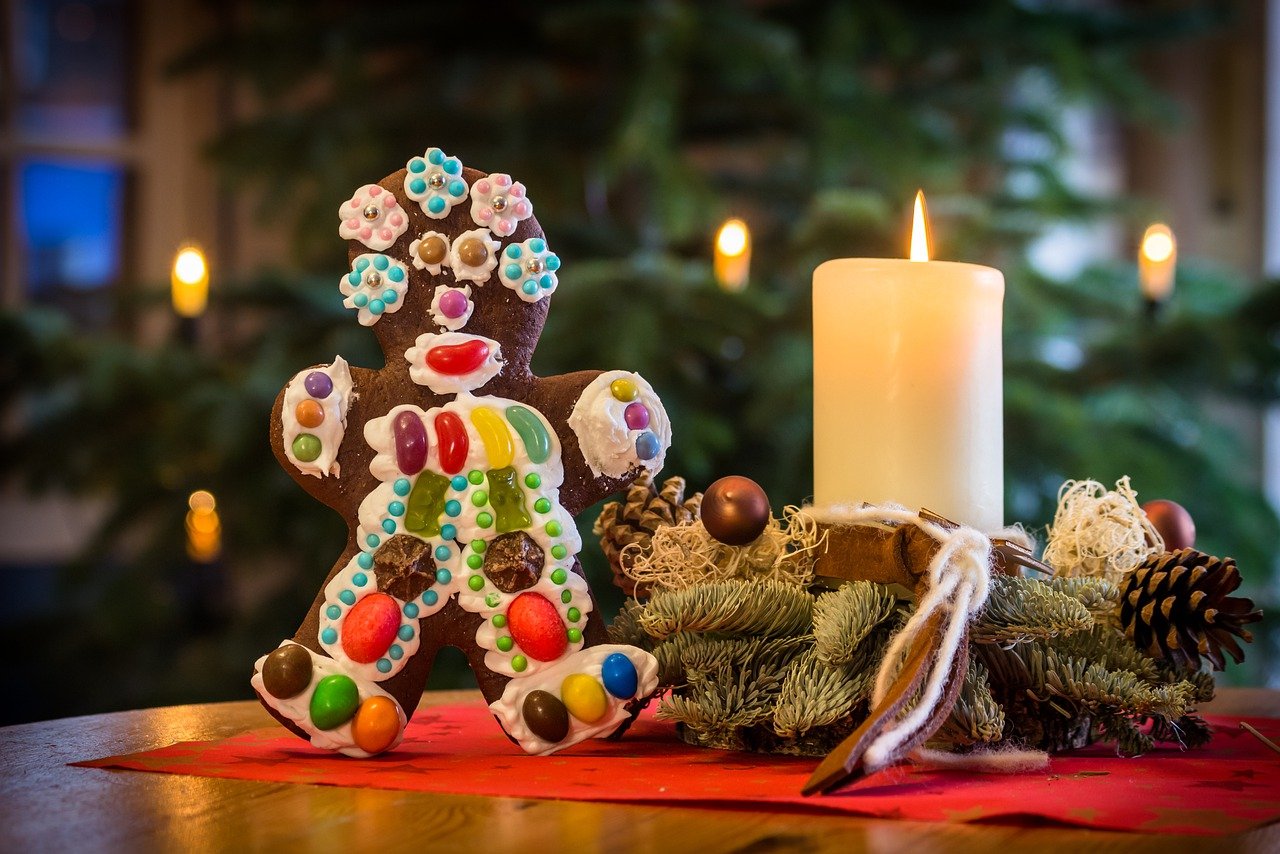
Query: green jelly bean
{"x":537,"y":441}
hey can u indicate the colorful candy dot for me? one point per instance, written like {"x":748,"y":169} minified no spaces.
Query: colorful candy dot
{"x":513,"y":251}
{"x":619,"y":676}
{"x":436,"y":205}
{"x":484,"y":520}
{"x":360,"y":300}
{"x":512,"y":271}
{"x":416,"y":165}
{"x":359,"y":579}
{"x":480,"y":498}
{"x":505,"y":643}
{"x":318,"y":384}
{"x":443,"y":553}
{"x":396,"y":652}
{"x":381,"y":262}
{"x":389,"y":297}
{"x":558,"y":575}
{"x":401,"y":486}
{"x":566,"y":596}
{"x":306,"y":448}
{"x":636,"y":415}
{"x":443,"y":576}
{"x":476,"y":477}
{"x":574,"y":615}
{"x":347,"y":597}
{"x":478,"y":546}
{"x":373,"y":540}
{"x":532,"y":480}
{"x":365,"y":560}
{"x":457,"y":188}
{"x":376,"y":306}
{"x":519,"y":663}
{"x":458,"y":483}
{"x":396,"y":274}
{"x":542,"y":505}
{"x":452,"y":508}
{"x":384,"y":666}
{"x":537,"y":244}
{"x":547,"y":282}
{"x":553,"y":528}
{"x":647,"y":445}
{"x":329,"y":636}
{"x":417,"y":186}
{"x":333,"y":612}
{"x":405,"y":633}
{"x":552,"y":262}
{"x":499,"y":621}
{"x":411,"y":611}
{"x":430,"y":598}
{"x":448,"y":532}
{"x":309,"y":413}
{"x":453,"y":304}
{"x":475,"y":562}
{"x":436,"y":156}
{"x":575,"y":635}
{"x":396,"y":508}
{"x":476,"y":583}
{"x":334,"y":701}
{"x":362,"y":265}
{"x":389,"y":525}
{"x":559,"y":552}
{"x":530,"y":287}
{"x":584,"y":697}
{"x":624,"y":390}
{"x":452,"y":166}
{"x":493,"y":600}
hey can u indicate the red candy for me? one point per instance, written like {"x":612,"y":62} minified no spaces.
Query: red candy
{"x":451,"y":433}
{"x":536,"y":626}
{"x":458,"y":359}
{"x":411,"y":442}
{"x":370,"y":627}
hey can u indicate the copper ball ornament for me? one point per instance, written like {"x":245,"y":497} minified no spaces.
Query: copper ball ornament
{"x":735,"y":510}
{"x":1174,"y":523}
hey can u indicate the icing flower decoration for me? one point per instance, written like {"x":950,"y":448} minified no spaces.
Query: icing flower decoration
{"x":451,"y":307}
{"x":473,"y":256}
{"x":375,"y":286}
{"x":529,"y":269}
{"x":499,"y":203}
{"x":435,"y":182}
{"x":373,"y":217}
{"x":430,"y":251}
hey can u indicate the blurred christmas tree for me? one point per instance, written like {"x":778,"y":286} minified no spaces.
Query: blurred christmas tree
{"x":638,"y":128}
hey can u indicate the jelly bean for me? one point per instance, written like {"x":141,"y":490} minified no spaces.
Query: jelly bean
{"x":647,"y":446}
{"x":619,"y":676}
{"x":536,"y":626}
{"x":636,"y":415}
{"x":309,"y":413}
{"x":370,"y":627}
{"x":624,"y":390}
{"x":536,"y":438}
{"x":318,"y":384}
{"x":453,"y":303}
{"x":545,"y":716}
{"x":411,"y":442}
{"x":376,"y":724}
{"x":287,"y":671}
{"x":458,"y":359}
{"x":334,"y":701}
{"x":306,"y":448}
{"x":451,"y":433}
{"x":584,"y":697}
{"x":493,"y":432}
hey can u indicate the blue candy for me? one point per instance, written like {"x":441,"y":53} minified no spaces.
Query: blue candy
{"x":647,"y":445}
{"x":619,"y":676}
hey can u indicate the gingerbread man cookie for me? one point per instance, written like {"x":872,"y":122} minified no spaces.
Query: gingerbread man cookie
{"x":459,"y":473}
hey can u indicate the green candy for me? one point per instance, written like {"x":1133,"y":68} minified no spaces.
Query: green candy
{"x":334,"y":702}
{"x":504,"y":643}
{"x":306,"y":448}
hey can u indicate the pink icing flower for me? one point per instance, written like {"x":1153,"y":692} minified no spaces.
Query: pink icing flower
{"x":373,"y":217}
{"x":499,"y":203}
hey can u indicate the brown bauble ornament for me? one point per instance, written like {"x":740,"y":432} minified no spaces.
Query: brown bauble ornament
{"x":1174,"y":523}
{"x":735,"y":510}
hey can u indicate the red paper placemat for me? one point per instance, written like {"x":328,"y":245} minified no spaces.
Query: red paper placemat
{"x":1231,"y":785}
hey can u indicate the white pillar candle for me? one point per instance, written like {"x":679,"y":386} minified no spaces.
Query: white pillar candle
{"x":907,"y":387}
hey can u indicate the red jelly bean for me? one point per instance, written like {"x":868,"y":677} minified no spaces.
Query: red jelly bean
{"x":370,"y":627}
{"x":451,"y":433}
{"x":536,"y":625}
{"x":458,"y":359}
{"x":411,"y":442}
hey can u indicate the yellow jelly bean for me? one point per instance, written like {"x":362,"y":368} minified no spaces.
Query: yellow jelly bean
{"x":624,"y":390}
{"x":498,"y":445}
{"x":584,"y":697}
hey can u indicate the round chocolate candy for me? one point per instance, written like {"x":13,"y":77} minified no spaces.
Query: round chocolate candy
{"x":370,"y":627}
{"x":309,"y":413}
{"x":536,"y":626}
{"x":735,"y":510}
{"x":623,"y":390}
{"x":647,"y":445}
{"x":473,"y":252}
{"x":636,"y":415}
{"x":584,"y":697}
{"x":432,"y":250}
{"x":376,"y":724}
{"x":287,"y":671}
{"x":334,"y":701}
{"x":318,"y":384}
{"x":453,"y":303}
{"x":1176,"y":527}
{"x":619,"y":676}
{"x":306,"y":447}
{"x":545,"y":716}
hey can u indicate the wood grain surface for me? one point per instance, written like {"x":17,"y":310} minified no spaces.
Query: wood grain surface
{"x":47,"y":806}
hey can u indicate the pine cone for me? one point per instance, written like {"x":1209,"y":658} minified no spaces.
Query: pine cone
{"x":1176,"y":606}
{"x":634,"y":520}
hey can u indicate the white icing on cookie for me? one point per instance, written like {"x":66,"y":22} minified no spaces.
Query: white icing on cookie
{"x":333,"y":410}
{"x":373,"y":217}
{"x":418,"y":263}
{"x":529,"y":269}
{"x":422,"y":372}
{"x":500,"y":203}
{"x":298,"y":708}
{"x":508,"y":708}
{"x":478,"y":273}
{"x":375,"y":286}
{"x":444,"y":294}
{"x":435,"y":182}
{"x":611,"y":447}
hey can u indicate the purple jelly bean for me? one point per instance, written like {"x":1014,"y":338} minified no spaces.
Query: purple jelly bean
{"x":453,"y":303}
{"x":636,"y":415}
{"x":318,"y":385}
{"x":411,"y":442}
{"x":647,"y":446}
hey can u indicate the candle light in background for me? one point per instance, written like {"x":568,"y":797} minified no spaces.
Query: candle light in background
{"x":204,"y":528}
{"x":908,"y":384}
{"x":733,"y":255}
{"x":1157,"y":261}
{"x":189,"y":282}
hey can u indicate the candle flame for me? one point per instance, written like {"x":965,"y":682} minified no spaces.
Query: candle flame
{"x":1157,"y":243}
{"x":732,"y":263}
{"x":1157,"y":262}
{"x":189,"y":281}
{"x":920,"y":230}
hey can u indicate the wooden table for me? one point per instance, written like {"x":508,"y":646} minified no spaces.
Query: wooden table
{"x":47,"y":806}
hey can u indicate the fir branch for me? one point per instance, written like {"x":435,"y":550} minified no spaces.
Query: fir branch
{"x":976,"y":717}
{"x":843,"y":618}
{"x":1098,"y":595}
{"x":1109,"y":648}
{"x":1021,"y":609}
{"x":625,"y":628}
{"x":687,"y":658}
{"x":815,"y":694}
{"x":716,"y":712}
{"x":750,"y":608}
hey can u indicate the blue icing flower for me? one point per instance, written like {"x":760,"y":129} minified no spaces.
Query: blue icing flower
{"x":530,"y":269}
{"x":435,"y":182}
{"x":374,"y":286}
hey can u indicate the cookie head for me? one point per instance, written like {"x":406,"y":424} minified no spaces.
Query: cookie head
{"x":450,"y":268}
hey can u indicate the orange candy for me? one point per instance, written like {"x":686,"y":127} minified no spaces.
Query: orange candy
{"x":309,"y":414}
{"x":376,"y":724}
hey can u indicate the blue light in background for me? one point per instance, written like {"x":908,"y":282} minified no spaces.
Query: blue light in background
{"x":71,"y":223}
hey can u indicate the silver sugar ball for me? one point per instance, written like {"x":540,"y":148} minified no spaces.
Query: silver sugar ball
{"x":499,"y":203}
{"x":534,"y":265}
{"x":371,"y":212}
{"x":436,"y":181}
{"x":373,"y":278}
